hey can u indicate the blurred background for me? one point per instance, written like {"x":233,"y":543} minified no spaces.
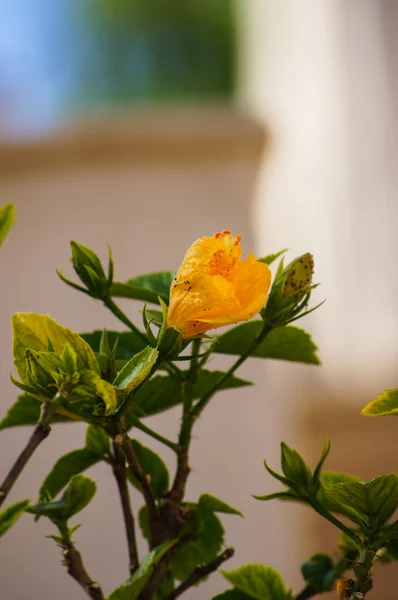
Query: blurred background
{"x":148,"y":124}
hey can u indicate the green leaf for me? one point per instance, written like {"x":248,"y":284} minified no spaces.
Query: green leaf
{"x":270,"y":258}
{"x":12,"y":514}
{"x":79,"y":493}
{"x":324,"y":455}
{"x":26,"y":411}
{"x":368,"y":504}
{"x":283,"y":343}
{"x":137,"y":369}
{"x":33,"y":331}
{"x":64,"y":469}
{"x":145,"y":287}
{"x":295,"y":468}
{"x":7,"y":217}
{"x":153,"y":466}
{"x":384,"y":405}
{"x":318,"y":572}
{"x":258,"y":581}
{"x":233,"y":594}
{"x":97,"y":441}
{"x":129,"y":343}
{"x":131,"y":589}
{"x":161,"y":393}
{"x":330,"y":478}
{"x":215,"y":505}
{"x":205,"y":548}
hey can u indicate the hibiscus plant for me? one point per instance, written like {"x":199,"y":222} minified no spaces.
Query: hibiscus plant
{"x":113,"y":381}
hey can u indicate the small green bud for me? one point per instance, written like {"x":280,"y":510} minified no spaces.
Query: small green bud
{"x":37,"y":374}
{"x":290,"y":292}
{"x":170,"y":344}
{"x":89,"y":269}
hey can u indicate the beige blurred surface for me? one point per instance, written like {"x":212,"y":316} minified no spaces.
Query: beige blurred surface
{"x":149,"y":209}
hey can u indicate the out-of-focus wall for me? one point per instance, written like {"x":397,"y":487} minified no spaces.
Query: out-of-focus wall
{"x":323,"y":75}
{"x":149,"y":185}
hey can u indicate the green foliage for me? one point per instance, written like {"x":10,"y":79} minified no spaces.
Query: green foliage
{"x":301,"y":483}
{"x":128,"y":342}
{"x":368,"y":504}
{"x":283,"y":343}
{"x":148,"y":288}
{"x":330,"y":478}
{"x":33,"y":331}
{"x":65,"y":468}
{"x":270,"y":258}
{"x":290,"y":292}
{"x":134,"y":585}
{"x":26,"y":411}
{"x":295,"y":469}
{"x":97,"y":441}
{"x":209,"y":537}
{"x":7,"y":217}
{"x":153,"y":466}
{"x":78,"y":494}
{"x":11,"y":514}
{"x":214,"y":504}
{"x":319,"y":572}
{"x":259,"y":582}
{"x":384,"y":405}
{"x":233,"y":594}
{"x":161,"y":393}
{"x":137,"y":369}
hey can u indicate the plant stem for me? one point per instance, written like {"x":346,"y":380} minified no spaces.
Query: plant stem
{"x":73,"y":561}
{"x":202,"y":403}
{"x":189,"y":417}
{"x":327,"y":515}
{"x":40,"y":433}
{"x":119,"y":471}
{"x":114,"y":308}
{"x":123,"y":441}
{"x":201,"y":572}
{"x":157,"y":436}
{"x":363,"y":582}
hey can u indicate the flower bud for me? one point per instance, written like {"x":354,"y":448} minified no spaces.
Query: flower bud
{"x":89,"y":269}
{"x":290,"y":292}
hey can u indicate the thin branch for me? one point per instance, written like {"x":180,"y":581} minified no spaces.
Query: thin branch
{"x":123,"y":441}
{"x":161,"y":569}
{"x":119,"y":471}
{"x":202,"y":403}
{"x":74,"y":563}
{"x":119,"y":314}
{"x":156,"y":436}
{"x":40,"y":433}
{"x":201,"y":572}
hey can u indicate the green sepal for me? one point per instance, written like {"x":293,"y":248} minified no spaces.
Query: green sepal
{"x":270,"y":258}
{"x":137,"y":369}
{"x":295,"y":469}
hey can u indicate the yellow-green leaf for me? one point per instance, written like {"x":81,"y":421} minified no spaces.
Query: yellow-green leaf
{"x":137,"y":369}
{"x":384,"y":405}
{"x":7,"y":217}
{"x":31,"y":330}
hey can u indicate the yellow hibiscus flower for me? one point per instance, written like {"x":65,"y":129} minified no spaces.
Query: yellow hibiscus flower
{"x":214,"y":287}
